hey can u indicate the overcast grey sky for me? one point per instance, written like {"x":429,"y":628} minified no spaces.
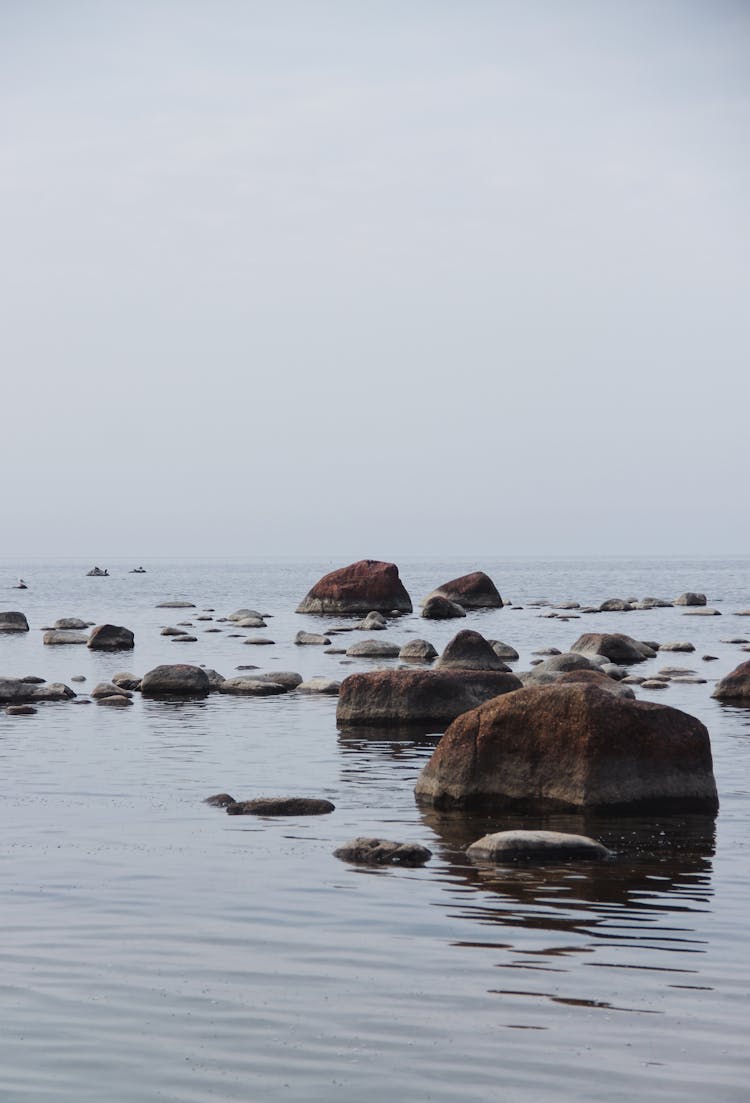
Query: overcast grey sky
{"x":375,"y":278}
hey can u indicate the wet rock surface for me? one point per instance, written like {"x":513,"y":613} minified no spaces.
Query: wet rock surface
{"x":383,"y":852}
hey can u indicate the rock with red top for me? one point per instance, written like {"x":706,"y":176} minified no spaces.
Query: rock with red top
{"x":472,"y":591}
{"x":572,"y":746}
{"x":402,"y":696}
{"x":736,"y":686}
{"x":359,"y":588}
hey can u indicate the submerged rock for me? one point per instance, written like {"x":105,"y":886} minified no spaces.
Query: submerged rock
{"x":220,"y":800}
{"x":175,"y":605}
{"x":513,"y":846}
{"x":359,"y":588}
{"x":572,"y":746}
{"x":281,"y":806}
{"x":383,"y":852}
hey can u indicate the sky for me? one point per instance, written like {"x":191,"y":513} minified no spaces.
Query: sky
{"x":406,"y":277}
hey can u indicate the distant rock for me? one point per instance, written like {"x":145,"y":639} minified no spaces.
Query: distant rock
{"x":710,"y":658}
{"x":504,"y":651}
{"x":402,"y":696}
{"x":184,"y":637}
{"x":652,"y":603}
{"x":175,"y":680}
{"x":690,"y":599}
{"x":13,"y":622}
{"x":417,"y":651}
{"x":359,"y":588}
{"x":118,"y":700}
{"x":251,"y":622}
{"x":373,"y":649}
{"x":259,"y":641}
{"x":373,"y":622}
{"x":470,"y":591}
{"x":169,"y":630}
{"x":97,"y":572}
{"x":438,"y":607}
{"x":702,"y":613}
{"x":281,"y":806}
{"x":469,"y":650}
{"x":571,"y":745}
{"x":17,"y":691}
{"x":327,"y":687}
{"x":245,"y":614}
{"x":654,"y":683}
{"x":515,"y":846}
{"x":109,"y":689}
{"x":111,"y":637}
{"x":55,"y":638}
{"x":615,"y":605}
{"x":683,"y":645}
{"x":312,"y":639}
{"x":20,"y":710}
{"x":735,"y":686}
{"x":383,"y":852}
{"x":175,"y":605}
{"x":71,"y":624}
{"x":251,"y":687}
{"x":126,"y":680}
{"x":220,"y":800}
{"x":615,"y":646}
{"x":290,"y":679}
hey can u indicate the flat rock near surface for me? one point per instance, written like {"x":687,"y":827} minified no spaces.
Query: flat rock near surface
{"x":572,"y":746}
{"x":383,"y":852}
{"x":513,"y":846}
{"x":373,"y":649}
{"x":361,"y":587}
{"x":175,"y":605}
{"x":327,"y":687}
{"x":418,"y":651}
{"x":62,"y":637}
{"x":313,"y":639}
{"x":281,"y":806}
{"x":679,"y":645}
{"x":702,"y":613}
{"x":394,"y":697}
{"x":18,"y":691}
{"x":252,"y":687}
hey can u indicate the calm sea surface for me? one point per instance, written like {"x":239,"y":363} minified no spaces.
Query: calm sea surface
{"x":154,"y":948}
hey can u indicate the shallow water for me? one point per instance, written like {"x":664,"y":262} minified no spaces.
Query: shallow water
{"x":156,"y":949}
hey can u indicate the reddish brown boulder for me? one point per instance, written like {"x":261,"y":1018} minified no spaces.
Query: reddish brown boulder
{"x":736,"y":686}
{"x":472,"y":591}
{"x":572,"y":746}
{"x":393,"y":697}
{"x":359,"y":588}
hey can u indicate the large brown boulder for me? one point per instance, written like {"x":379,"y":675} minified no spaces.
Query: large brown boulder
{"x":470,"y":651}
{"x":615,"y":646}
{"x":359,"y":588}
{"x":572,"y":746}
{"x":735,"y":686}
{"x":394,"y":697}
{"x":472,"y":591}
{"x":111,"y":637}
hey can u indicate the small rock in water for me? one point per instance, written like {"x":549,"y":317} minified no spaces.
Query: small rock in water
{"x":326,"y":686}
{"x":108,"y":689}
{"x":736,"y":639}
{"x":251,"y":622}
{"x":373,"y":649}
{"x":513,"y":846}
{"x":288,"y":678}
{"x":61,"y":637}
{"x":383,"y":852}
{"x":78,"y":678}
{"x":547,"y":651}
{"x":115,"y":701}
{"x":13,"y":622}
{"x":504,"y":651}
{"x":281,"y":806}
{"x":247,"y":666}
{"x":654,"y":683}
{"x":418,"y":651}
{"x":184,"y":639}
{"x":125,"y":680}
{"x":220,"y":800}
{"x":175,"y":605}
{"x":74,"y":623}
{"x":441,"y":608}
{"x":20,"y":710}
{"x":311,"y":639}
{"x":690,"y":598}
{"x":111,"y":637}
{"x":710,"y":658}
{"x":259,"y":641}
{"x":251,"y":687}
{"x":702,"y":613}
{"x":170,"y":631}
{"x":679,"y":646}
{"x":373,"y":622}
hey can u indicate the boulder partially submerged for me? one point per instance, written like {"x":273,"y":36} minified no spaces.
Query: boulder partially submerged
{"x":572,"y":746}
{"x":439,"y":607}
{"x":12,"y":621}
{"x":359,"y":588}
{"x":471,"y":591}
{"x":735,"y":686}
{"x":395,"y":697}
{"x":281,"y":806}
{"x":175,"y":680}
{"x":515,"y":846}
{"x":469,"y":650}
{"x":383,"y":852}
{"x":111,"y":637}
{"x":615,"y":646}
{"x":19,"y":691}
